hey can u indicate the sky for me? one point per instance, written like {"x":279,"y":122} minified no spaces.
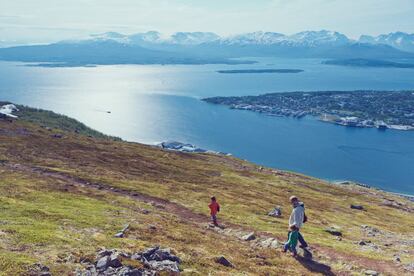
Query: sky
{"x":40,"y":21}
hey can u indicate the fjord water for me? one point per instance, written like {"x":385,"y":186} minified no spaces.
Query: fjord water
{"x":154,"y":103}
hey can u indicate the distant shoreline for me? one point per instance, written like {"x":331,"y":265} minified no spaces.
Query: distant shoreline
{"x":363,"y":62}
{"x":261,"y":71}
{"x":361,"y":108}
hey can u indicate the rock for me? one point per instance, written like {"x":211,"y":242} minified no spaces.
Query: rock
{"x":409,"y":267}
{"x":119,"y":235}
{"x":115,"y":260}
{"x":152,"y":227}
{"x":249,"y":237}
{"x":371,"y":272}
{"x":105,"y":252}
{"x":166,"y":265}
{"x":269,"y":243}
{"x":40,"y":270}
{"x":357,"y":207}
{"x":57,"y":136}
{"x":277,"y":212}
{"x":165,"y":254}
{"x":103,"y":263}
{"x":136,"y":257}
{"x":154,"y":261}
{"x":223,"y":261}
{"x":364,"y":242}
{"x":333,"y":231}
{"x":148,"y":252}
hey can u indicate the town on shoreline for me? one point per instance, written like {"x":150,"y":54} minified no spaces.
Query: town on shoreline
{"x":360,"y":108}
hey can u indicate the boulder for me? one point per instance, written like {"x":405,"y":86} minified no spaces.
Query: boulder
{"x":334,"y":231}
{"x":165,"y":265}
{"x":223,"y":261}
{"x":249,"y":237}
{"x":269,"y":243}
{"x":276,"y":212}
{"x":357,"y":207}
{"x":154,"y":261}
{"x":115,"y":260}
{"x":103,"y":263}
{"x":364,"y":242}
{"x":105,"y":252}
{"x":148,"y":252}
{"x":165,"y":254}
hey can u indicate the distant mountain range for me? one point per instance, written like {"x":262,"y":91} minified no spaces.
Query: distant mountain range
{"x":206,"y":47}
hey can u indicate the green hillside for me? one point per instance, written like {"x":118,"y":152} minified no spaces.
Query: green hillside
{"x":66,"y":190}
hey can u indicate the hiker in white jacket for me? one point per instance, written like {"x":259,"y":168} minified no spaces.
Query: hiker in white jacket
{"x":297,"y":218}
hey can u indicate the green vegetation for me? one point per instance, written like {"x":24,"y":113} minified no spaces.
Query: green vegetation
{"x":52,"y":120}
{"x":63,"y":198}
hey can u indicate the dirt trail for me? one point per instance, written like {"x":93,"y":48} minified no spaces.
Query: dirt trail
{"x":326,"y":254}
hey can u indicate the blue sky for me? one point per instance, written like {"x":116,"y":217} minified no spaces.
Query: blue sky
{"x":31,"y":21}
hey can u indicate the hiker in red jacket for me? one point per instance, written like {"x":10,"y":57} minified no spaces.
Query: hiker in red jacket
{"x":214,"y":209}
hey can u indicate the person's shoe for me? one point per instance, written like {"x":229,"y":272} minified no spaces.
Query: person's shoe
{"x":303,"y":247}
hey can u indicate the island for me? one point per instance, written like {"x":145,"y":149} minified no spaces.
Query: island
{"x":361,"y":108}
{"x":261,"y":71}
{"x":362,"y":62}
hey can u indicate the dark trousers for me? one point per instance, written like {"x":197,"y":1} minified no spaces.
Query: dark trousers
{"x":300,"y":239}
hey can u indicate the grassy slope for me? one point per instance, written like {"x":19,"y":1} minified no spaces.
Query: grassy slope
{"x":50,"y":220}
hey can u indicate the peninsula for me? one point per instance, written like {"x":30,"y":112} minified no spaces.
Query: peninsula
{"x":363,"y":108}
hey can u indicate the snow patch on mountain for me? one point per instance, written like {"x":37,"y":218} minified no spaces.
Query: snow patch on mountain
{"x":400,"y":40}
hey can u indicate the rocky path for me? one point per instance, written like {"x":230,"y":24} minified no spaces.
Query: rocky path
{"x":318,"y":264}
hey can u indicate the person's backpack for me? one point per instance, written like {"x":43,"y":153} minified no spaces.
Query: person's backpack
{"x":305,"y":218}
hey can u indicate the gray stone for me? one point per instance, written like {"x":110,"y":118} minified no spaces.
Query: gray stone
{"x":103,"y":263}
{"x":136,"y":257}
{"x":269,"y":243}
{"x":277,"y":212}
{"x":249,"y":237}
{"x":223,"y":261}
{"x":105,"y":252}
{"x":166,"y":265}
{"x":119,"y":235}
{"x":333,"y":231}
{"x":357,"y":207}
{"x":164,"y":254}
{"x":364,"y":242}
{"x":148,"y":252}
{"x":115,"y":260}
{"x":371,"y":272}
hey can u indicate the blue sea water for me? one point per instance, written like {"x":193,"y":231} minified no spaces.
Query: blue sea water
{"x":153,"y":103}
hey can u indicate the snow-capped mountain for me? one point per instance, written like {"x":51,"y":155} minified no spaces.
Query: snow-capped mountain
{"x":192,"y":38}
{"x":302,"y":39}
{"x":113,"y":36}
{"x":209,"y":48}
{"x":180,"y":38}
{"x":255,"y":38}
{"x":400,"y":40}
{"x":318,"y":38}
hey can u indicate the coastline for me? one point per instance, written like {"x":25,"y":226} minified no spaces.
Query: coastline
{"x":366,"y":186}
{"x":192,"y":149}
